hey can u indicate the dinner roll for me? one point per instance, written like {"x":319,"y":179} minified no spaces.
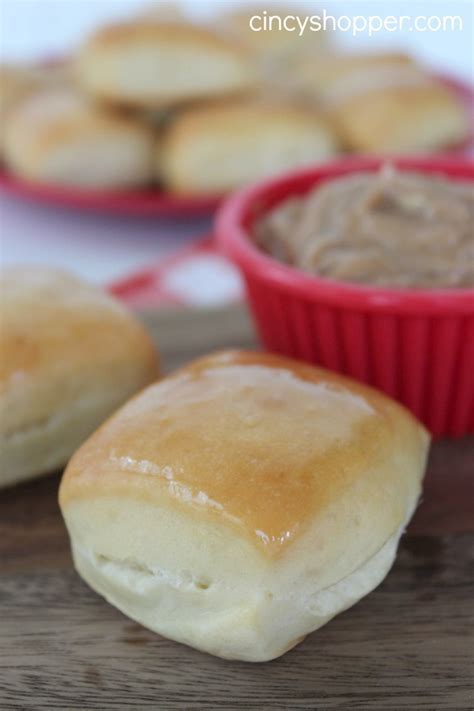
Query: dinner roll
{"x":20,"y":80}
{"x":14,"y":86}
{"x":384,"y":102}
{"x":416,"y":118}
{"x":243,"y":501}
{"x":58,"y":137}
{"x":146,"y":64}
{"x":69,"y":355}
{"x":218,"y":147}
{"x":16,"y":80}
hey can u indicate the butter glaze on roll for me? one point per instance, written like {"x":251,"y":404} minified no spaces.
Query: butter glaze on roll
{"x":69,"y":356}
{"x":242,"y":502}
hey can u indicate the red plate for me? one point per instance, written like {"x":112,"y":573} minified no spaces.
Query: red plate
{"x":154,"y":201}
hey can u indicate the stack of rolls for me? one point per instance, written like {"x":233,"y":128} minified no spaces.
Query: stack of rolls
{"x":95,"y":133}
{"x":162,"y":100}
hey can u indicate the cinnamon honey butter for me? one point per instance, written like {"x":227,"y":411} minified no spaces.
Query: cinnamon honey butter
{"x":391,"y":228}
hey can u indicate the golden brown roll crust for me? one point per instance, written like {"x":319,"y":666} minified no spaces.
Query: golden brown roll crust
{"x":218,"y":147}
{"x":69,"y":355}
{"x":262,"y":481}
{"x":146,"y":64}
{"x":253,"y":418}
{"x":59,"y":137}
{"x":417,"y":118}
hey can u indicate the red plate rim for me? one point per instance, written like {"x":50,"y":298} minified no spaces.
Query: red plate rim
{"x":157,"y":202}
{"x":149,"y":202}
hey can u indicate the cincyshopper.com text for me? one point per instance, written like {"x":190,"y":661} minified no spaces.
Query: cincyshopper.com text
{"x":355,"y":24}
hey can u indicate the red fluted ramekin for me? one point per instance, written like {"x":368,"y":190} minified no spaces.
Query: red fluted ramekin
{"x":415,"y":345}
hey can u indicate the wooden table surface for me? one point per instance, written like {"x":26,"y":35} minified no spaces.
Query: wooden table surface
{"x":408,"y":645}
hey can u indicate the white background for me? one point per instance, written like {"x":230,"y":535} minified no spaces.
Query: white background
{"x":103,"y":248}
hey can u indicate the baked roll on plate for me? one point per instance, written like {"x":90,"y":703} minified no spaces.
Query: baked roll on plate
{"x":19,"y":81}
{"x":146,"y":64}
{"x":242,"y":502}
{"x":59,"y":137}
{"x":385,"y":103}
{"x":416,"y":118}
{"x":219,"y":147}
{"x":69,"y":356}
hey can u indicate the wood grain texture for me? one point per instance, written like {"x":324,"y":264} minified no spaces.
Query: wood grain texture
{"x":408,"y":645}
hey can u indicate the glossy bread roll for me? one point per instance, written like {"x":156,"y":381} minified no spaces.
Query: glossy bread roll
{"x":242,"y":502}
{"x":59,"y":137}
{"x":69,"y":356}
{"x":218,"y":147}
{"x":146,"y":64}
